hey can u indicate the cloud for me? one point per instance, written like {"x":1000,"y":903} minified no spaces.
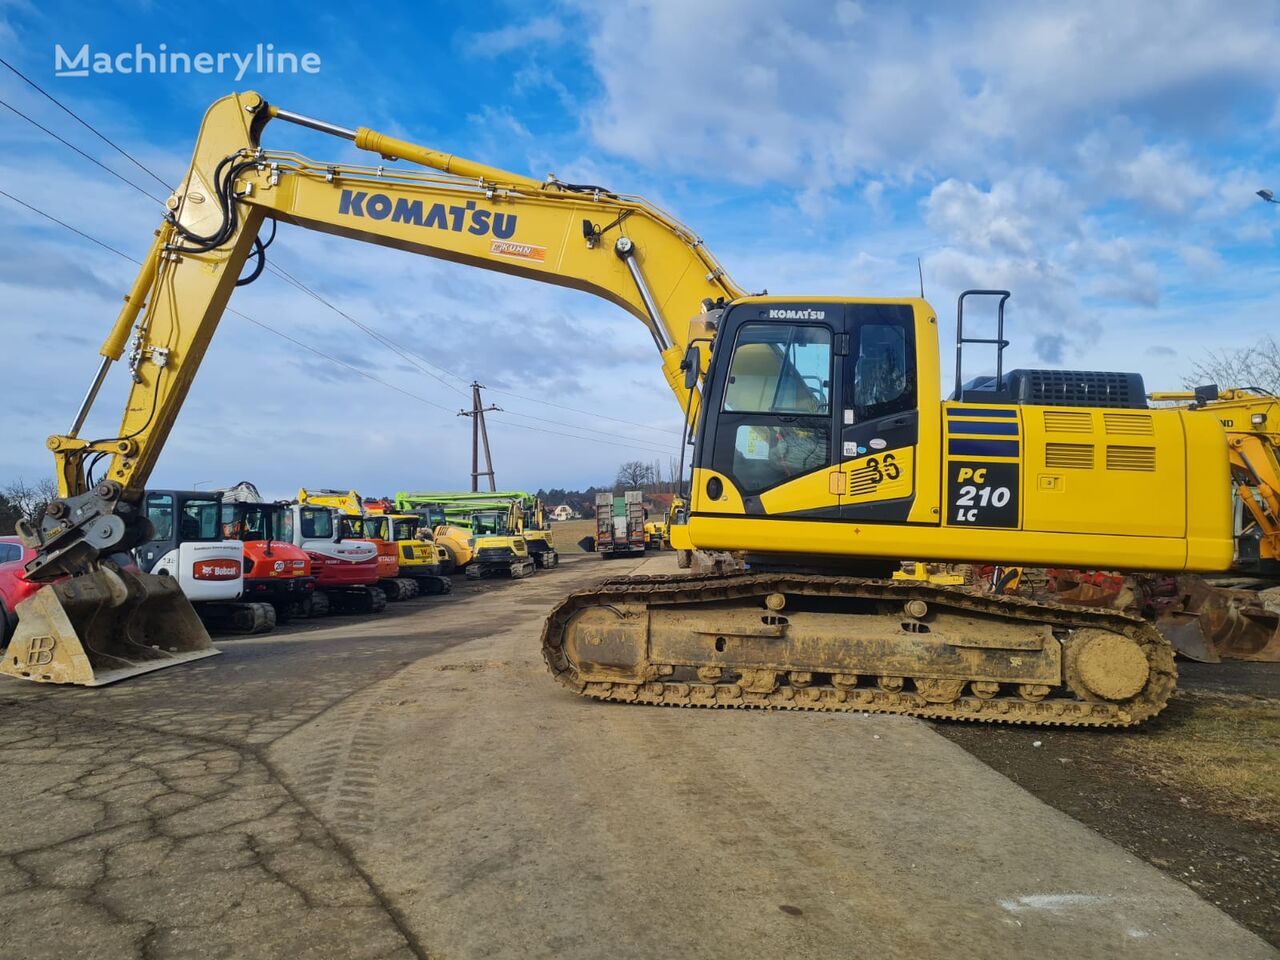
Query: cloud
{"x":538,"y":31}
{"x":830,"y":93}
{"x":1202,"y":261}
{"x":1050,"y":347}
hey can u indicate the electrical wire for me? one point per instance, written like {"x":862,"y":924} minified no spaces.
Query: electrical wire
{"x":204,"y":244}
{"x":224,"y":188}
{"x":561,"y":406}
{"x":412,"y":357}
{"x":68,"y":226}
{"x":72,"y":146}
{"x":320,"y":353}
{"x":405,"y":354}
{"x":84,"y":123}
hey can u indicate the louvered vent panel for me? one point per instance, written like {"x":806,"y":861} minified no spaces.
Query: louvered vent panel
{"x":1129,"y":424}
{"x":1067,"y":421}
{"x":1070,"y":456}
{"x":1131,"y":458}
{"x":863,"y":481}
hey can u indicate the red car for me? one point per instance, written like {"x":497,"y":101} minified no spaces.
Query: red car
{"x":14,"y":587}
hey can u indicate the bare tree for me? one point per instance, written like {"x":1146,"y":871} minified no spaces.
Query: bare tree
{"x":30,"y":499}
{"x":634,"y":475}
{"x":1254,"y":366}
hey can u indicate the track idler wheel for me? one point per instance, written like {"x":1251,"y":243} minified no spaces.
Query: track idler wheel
{"x":1105,"y":666}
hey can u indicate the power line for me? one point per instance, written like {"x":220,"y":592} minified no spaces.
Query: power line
{"x":350,"y":366}
{"x":72,"y":146}
{"x":299,"y":285}
{"x":60,"y":223}
{"x":409,"y":356}
{"x":405,"y":354}
{"x":314,"y":350}
{"x":561,"y":406}
{"x":629,"y":446}
{"x":84,"y":123}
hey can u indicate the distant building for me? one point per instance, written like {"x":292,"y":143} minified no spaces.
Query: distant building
{"x":563,"y":512}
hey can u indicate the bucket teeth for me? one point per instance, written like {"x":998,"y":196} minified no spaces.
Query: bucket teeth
{"x":106,"y":625}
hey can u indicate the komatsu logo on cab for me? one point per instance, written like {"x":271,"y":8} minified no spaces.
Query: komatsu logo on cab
{"x":807,"y":314}
{"x":379,"y":206}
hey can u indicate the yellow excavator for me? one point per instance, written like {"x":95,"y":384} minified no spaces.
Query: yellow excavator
{"x":820,"y":450}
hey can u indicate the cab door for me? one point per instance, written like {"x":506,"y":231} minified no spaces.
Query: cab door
{"x":776,"y":420}
{"x":161,"y":509}
{"x":879,"y":415}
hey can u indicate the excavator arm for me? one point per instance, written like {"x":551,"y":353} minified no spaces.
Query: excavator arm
{"x":430,"y":203}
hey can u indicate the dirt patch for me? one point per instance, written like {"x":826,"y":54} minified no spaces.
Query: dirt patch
{"x":1195,"y":792}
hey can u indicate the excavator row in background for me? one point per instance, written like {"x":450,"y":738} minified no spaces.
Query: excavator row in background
{"x":485,"y":535}
{"x":522,"y":512}
{"x":821,"y":449}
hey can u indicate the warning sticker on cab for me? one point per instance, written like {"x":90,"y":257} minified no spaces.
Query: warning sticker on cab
{"x":520,"y":251}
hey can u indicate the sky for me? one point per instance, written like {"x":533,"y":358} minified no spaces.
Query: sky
{"x":1098,"y":159}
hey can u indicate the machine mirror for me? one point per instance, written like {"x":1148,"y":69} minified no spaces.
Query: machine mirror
{"x":691,"y":365}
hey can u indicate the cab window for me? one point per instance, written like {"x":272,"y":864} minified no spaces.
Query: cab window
{"x":160,"y":513}
{"x":780,"y":368}
{"x":316,"y":524}
{"x":488,"y":523}
{"x":883,"y":380}
{"x":765,"y":455}
{"x":200,"y":520}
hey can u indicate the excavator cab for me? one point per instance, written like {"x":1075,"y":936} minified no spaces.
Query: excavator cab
{"x":810,"y":410}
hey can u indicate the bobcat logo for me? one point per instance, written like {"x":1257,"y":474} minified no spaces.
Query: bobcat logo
{"x":40,"y":652}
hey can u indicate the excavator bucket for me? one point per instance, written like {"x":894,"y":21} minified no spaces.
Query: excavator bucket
{"x":1210,"y":624}
{"x":100,"y":627}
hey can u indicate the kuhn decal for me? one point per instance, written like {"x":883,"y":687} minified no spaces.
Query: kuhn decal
{"x":439,"y":216}
{"x":521,"y":251}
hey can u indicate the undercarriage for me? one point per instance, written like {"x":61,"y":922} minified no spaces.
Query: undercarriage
{"x":810,"y":642}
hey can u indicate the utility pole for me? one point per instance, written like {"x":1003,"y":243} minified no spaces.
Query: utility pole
{"x":479,"y":434}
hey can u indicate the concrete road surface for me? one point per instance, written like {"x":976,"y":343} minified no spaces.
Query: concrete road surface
{"x":417,"y":785}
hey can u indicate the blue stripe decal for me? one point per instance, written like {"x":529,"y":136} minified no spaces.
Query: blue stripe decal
{"x":989,"y":428}
{"x":982,"y":448}
{"x":976,"y":412}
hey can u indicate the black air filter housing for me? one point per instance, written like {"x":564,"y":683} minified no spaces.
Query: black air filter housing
{"x":1076,"y":388}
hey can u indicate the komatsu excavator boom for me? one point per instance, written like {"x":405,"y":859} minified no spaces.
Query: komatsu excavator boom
{"x":820,"y":450}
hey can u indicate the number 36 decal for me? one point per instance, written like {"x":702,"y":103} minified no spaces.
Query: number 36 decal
{"x":982,"y":494}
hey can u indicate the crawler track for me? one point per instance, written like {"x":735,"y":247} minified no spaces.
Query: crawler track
{"x":655,"y":683}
